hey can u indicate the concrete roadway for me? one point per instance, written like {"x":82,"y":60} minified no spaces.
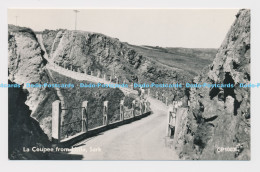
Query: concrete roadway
{"x":139,"y":140}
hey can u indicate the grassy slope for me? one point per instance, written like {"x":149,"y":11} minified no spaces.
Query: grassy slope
{"x":185,"y":59}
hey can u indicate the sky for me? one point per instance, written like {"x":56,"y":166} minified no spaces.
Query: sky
{"x":190,"y":28}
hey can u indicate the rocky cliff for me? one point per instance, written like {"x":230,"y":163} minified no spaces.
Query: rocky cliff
{"x":26,"y":62}
{"x":27,"y":65}
{"x":85,"y":51}
{"x":219,"y":118}
{"x":100,"y":53}
{"x":25,"y":131}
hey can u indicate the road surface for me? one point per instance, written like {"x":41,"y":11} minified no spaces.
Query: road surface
{"x":139,"y":140}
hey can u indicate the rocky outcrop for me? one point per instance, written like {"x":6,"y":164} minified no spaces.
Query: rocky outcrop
{"x":220,"y":117}
{"x":27,"y":65}
{"x":99,"y":53}
{"x":83,"y":51}
{"x":25,"y":131}
{"x":89,"y":51}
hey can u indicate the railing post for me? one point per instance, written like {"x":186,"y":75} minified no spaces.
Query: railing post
{"x":105,"y":76}
{"x":141,"y":107}
{"x":105,"y":110}
{"x":133,"y":108}
{"x":145,"y":108}
{"x":162,"y":96}
{"x":171,"y":122}
{"x":99,"y":73}
{"x":71,"y":68}
{"x":166,"y":101}
{"x":84,"y":117}
{"x":117,"y":80}
{"x":142,"y":92}
{"x":56,"y":121}
{"x":122,"y":110}
{"x":168,"y":122}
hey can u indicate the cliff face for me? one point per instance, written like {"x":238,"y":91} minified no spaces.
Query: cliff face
{"x":220,"y":117}
{"x":90,"y":51}
{"x":25,"y":131}
{"x":26,"y":64}
{"x":100,"y":53}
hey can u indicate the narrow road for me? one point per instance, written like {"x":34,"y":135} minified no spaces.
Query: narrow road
{"x":140,"y":140}
{"x":76,"y":75}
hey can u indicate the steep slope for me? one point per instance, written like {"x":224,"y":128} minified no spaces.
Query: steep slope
{"x":219,"y":118}
{"x":25,"y":61}
{"x":96,"y":52}
{"x":83,"y":51}
{"x":25,"y":131}
{"x":27,"y":65}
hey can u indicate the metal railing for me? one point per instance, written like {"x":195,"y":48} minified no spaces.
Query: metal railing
{"x":70,"y":129}
{"x":85,"y":76}
{"x":67,"y":130}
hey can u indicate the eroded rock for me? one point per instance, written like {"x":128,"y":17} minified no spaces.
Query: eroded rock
{"x":224,"y":122}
